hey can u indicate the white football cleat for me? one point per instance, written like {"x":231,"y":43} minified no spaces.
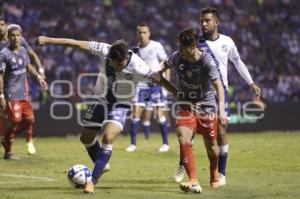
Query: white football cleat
{"x":180,"y":173}
{"x":131,"y":148}
{"x":222,"y":180}
{"x":106,"y":168}
{"x":164,"y":148}
{"x":30,"y":148}
{"x":190,"y":187}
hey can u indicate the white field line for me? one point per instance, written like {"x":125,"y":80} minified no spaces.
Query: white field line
{"x":28,"y":178}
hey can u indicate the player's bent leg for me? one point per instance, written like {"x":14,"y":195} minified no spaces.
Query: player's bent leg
{"x":164,"y":129}
{"x":184,"y":136}
{"x":223,"y":144}
{"x":110,"y":133}
{"x":212,"y":150}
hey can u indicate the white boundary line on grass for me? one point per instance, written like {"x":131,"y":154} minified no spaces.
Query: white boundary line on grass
{"x":31,"y":178}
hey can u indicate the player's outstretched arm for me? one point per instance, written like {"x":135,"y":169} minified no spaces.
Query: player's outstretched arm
{"x":82,"y":45}
{"x":31,"y":70}
{"x":221,"y":99}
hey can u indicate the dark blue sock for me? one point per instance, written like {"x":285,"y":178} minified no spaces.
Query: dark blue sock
{"x":164,"y":129}
{"x":135,"y":124}
{"x":146,"y":131}
{"x":222,"y":163}
{"x":102,"y":158}
{"x":92,"y":150}
{"x":181,"y":163}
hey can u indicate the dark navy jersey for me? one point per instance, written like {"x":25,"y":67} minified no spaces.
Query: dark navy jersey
{"x":24,"y":43}
{"x":13,"y":66}
{"x":195,"y":79}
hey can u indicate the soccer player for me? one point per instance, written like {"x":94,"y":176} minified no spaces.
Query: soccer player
{"x":199,"y":81}
{"x":121,"y":70}
{"x":14,"y":96}
{"x":34,"y":57}
{"x":221,"y":48}
{"x":149,"y":96}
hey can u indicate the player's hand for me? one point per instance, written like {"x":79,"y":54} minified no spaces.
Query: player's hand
{"x":256,"y":90}
{"x":42,"y":40}
{"x":41,"y":71}
{"x":223,"y":118}
{"x":43,"y":84}
{"x":2,"y":104}
{"x":157,"y":77}
{"x":259,"y":103}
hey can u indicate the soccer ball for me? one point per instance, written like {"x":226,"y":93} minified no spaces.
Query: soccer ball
{"x":79,"y":175}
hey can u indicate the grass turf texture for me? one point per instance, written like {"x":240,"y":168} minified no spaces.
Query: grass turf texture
{"x":261,"y":165}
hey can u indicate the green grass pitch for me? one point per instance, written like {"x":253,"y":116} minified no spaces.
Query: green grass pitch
{"x":261,"y":165}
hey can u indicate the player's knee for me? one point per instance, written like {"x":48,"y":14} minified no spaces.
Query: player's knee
{"x":213,"y":153}
{"x":108,"y":138}
{"x":183,"y":138}
{"x":30,"y":121}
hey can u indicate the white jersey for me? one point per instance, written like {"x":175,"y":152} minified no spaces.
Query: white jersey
{"x":153,"y":53}
{"x":223,"y":49}
{"x":112,"y":86}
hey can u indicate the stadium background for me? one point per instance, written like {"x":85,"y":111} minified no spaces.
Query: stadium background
{"x":265,"y":31}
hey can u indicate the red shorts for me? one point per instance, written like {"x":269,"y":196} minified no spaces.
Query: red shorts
{"x":201,"y":124}
{"x":17,"y":110}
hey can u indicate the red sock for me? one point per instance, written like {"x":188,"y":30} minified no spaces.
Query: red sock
{"x":9,"y":138}
{"x":189,"y":161}
{"x":27,"y":127}
{"x":2,"y":126}
{"x":28,"y":132}
{"x":214,"y":174}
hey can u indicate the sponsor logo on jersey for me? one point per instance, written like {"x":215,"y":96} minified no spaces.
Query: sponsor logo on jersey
{"x":18,"y":72}
{"x":190,"y":86}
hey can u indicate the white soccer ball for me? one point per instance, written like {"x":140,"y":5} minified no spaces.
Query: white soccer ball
{"x":79,"y":175}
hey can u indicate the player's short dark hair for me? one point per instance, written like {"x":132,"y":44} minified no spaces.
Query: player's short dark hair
{"x":143,"y":24}
{"x":2,"y":18}
{"x":208,"y":10}
{"x":118,"y":50}
{"x":188,"y":37}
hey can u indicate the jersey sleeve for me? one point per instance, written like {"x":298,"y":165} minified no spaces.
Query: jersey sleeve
{"x":213,"y":72}
{"x":25,"y":44}
{"x":240,"y":66}
{"x":171,"y":61}
{"x":141,"y":67}
{"x":161,"y":53}
{"x":99,"y":49}
{"x":2,"y":63}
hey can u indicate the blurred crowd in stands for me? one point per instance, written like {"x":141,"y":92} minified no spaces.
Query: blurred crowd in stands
{"x":266,"y":32}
